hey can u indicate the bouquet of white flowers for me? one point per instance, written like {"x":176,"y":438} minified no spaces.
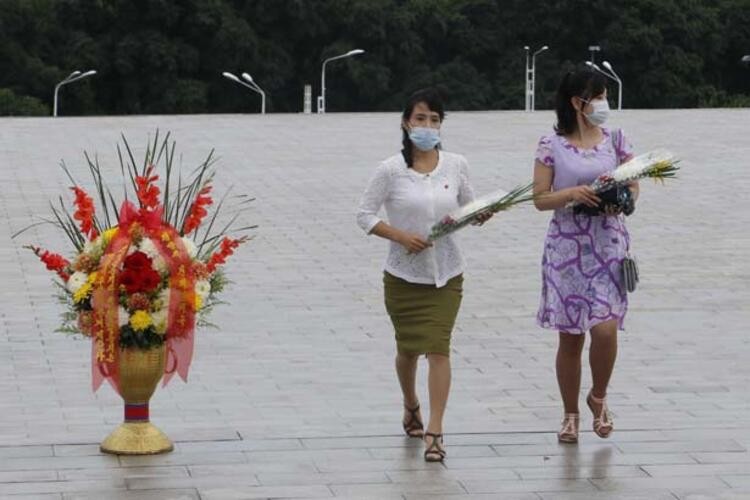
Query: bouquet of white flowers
{"x":659,"y":164}
{"x":494,"y":202}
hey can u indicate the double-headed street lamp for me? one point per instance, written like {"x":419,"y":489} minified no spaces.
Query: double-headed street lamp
{"x":610,"y":73}
{"x":74,"y":76}
{"x":322,"y":96}
{"x":530,"y":76}
{"x":249,"y":83}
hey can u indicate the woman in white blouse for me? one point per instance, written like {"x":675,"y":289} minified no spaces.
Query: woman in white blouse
{"x":422,"y":279}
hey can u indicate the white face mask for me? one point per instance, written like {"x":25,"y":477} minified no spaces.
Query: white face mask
{"x":599,"y":114}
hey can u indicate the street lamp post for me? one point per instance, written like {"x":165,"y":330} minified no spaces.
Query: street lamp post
{"x":619,"y":83}
{"x":322,"y":96}
{"x":593,"y":49}
{"x":249,"y":79}
{"x":250,"y":83}
{"x":531,"y":76}
{"x":610,"y":73}
{"x":74,"y":76}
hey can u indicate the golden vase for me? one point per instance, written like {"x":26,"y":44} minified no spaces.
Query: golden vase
{"x":140,"y":372}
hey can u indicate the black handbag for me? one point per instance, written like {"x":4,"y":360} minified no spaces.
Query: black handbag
{"x":617,"y":196}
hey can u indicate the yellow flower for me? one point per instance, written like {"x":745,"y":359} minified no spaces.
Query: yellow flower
{"x":82,"y":292}
{"x":109,"y":234}
{"x":198,"y":302}
{"x":140,"y":320}
{"x":92,"y":277}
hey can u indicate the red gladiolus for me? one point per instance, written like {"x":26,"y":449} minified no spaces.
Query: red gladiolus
{"x":148,"y":193}
{"x":227,"y":248}
{"x":197,"y":210}
{"x":84,"y":212}
{"x":54,"y":262}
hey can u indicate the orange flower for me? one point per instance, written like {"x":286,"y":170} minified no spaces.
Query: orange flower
{"x":227,"y":248}
{"x":85,"y":212}
{"x":54,"y":262}
{"x":197,"y":210}
{"x":148,"y":193}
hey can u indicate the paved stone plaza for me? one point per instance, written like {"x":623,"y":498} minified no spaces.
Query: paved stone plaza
{"x":294,"y":396}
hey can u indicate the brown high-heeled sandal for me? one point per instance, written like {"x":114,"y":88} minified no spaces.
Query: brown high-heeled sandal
{"x":434,"y":453}
{"x":413,"y":427}
{"x":603,"y":424}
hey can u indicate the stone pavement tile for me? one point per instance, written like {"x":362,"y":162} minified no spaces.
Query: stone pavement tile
{"x":238,"y":445}
{"x":42,"y":496}
{"x":454,"y":451}
{"x":371,"y":490}
{"x":655,"y":483}
{"x":25,"y":451}
{"x":740,"y":479}
{"x":295,"y":479}
{"x":609,"y":495}
{"x":60,"y":486}
{"x":360,"y":442}
{"x":721,"y":458}
{"x":28,"y":475}
{"x":531,"y":486}
{"x":579,"y":472}
{"x":235,"y":457}
{"x":707,"y":494}
{"x":372,"y":464}
{"x":715,"y":445}
{"x":473,"y":496}
{"x":151,"y":483}
{"x":123,"y":473}
{"x":697,"y":469}
{"x":160,"y":494}
{"x":234,"y":493}
{"x":58,"y":463}
{"x":228,"y":470}
{"x":449,"y":474}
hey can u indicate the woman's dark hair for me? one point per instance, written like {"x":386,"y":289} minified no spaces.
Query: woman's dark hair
{"x":434,"y":101}
{"x":584,"y":83}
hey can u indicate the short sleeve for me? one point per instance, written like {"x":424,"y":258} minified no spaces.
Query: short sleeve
{"x":373,"y":198}
{"x":623,"y":147}
{"x":465,"y":191}
{"x":544,"y":153}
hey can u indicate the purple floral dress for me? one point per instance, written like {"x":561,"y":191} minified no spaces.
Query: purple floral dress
{"x":582,"y":260}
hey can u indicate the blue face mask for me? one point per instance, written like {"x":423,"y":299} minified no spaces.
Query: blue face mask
{"x":424,"y":138}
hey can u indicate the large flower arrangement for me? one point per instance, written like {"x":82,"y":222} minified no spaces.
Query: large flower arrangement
{"x":143,"y":273}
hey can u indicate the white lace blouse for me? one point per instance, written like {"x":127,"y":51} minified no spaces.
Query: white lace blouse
{"x":413,"y":203}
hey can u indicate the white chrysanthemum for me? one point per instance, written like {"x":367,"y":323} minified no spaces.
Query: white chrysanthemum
{"x":122,"y":316}
{"x":203,"y":289}
{"x":162,"y":299}
{"x":160,"y":320}
{"x":147,"y":246}
{"x":190,"y":246}
{"x":88,"y":247}
{"x":76,"y":281}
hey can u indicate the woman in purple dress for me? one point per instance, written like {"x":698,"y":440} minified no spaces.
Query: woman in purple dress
{"x":582,"y":287}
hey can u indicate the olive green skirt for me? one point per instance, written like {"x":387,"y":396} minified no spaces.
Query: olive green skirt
{"x":422,"y":315}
